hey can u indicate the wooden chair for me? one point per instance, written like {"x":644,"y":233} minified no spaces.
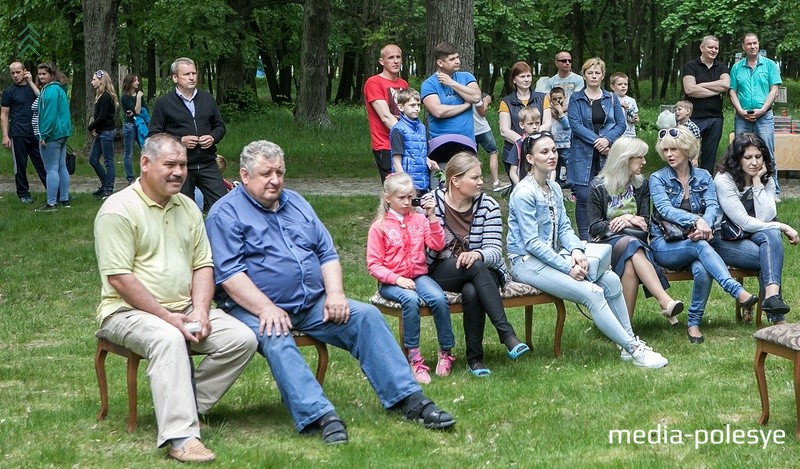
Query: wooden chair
{"x":104,"y":346}
{"x":782,"y":341}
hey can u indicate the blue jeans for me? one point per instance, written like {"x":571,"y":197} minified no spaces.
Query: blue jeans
{"x":432,"y":294}
{"x":764,"y":127}
{"x":603,"y":298}
{"x":54,"y":155}
{"x":704,"y":263}
{"x":763,"y":252}
{"x":104,"y":144}
{"x":128,"y":136}
{"x":366,"y":336}
{"x":581,"y":210}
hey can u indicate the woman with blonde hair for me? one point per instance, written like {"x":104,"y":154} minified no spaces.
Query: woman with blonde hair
{"x":597,"y":120}
{"x":619,"y":214}
{"x":104,"y":131}
{"x":685,"y":199}
{"x":472,"y":260}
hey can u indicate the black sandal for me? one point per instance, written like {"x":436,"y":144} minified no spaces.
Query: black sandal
{"x":747,"y":308}
{"x":429,"y":415}
{"x":333,"y":429}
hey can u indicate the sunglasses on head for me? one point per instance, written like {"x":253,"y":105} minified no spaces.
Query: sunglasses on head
{"x":564,"y":61}
{"x":99,"y":73}
{"x":527,"y":144}
{"x":673,"y":132}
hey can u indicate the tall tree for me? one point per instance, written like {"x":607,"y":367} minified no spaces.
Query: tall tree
{"x":312,"y":92}
{"x":100,"y":44}
{"x":451,"y":21}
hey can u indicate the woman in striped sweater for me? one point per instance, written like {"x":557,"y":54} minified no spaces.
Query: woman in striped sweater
{"x":472,"y":261}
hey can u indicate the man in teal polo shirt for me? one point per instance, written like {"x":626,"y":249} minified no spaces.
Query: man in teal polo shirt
{"x":754,"y":87}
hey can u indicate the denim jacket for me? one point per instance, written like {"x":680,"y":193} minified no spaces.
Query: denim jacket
{"x":529,"y":224}
{"x":666,"y":192}
{"x":583,"y":136}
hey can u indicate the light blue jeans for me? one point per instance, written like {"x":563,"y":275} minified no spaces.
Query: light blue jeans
{"x":104,"y":144}
{"x":432,"y":294}
{"x":764,"y":127}
{"x":704,"y":263}
{"x":365,"y":335}
{"x":763,"y":252}
{"x":128,"y":136}
{"x":603,"y":298}
{"x":54,"y":155}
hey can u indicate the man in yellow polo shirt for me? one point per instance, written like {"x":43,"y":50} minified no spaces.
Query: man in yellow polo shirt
{"x":155,"y":264}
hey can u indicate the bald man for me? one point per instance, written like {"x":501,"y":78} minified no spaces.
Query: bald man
{"x":380,"y":97}
{"x":15,"y":116}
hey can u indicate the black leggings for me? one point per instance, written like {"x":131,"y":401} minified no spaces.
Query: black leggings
{"x":478,"y":287}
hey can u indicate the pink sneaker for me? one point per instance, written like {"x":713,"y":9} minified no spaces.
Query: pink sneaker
{"x":418,"y":368}
{"x":445,"y":363}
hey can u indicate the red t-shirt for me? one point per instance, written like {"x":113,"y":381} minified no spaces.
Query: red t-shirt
{"x":378,"y":88}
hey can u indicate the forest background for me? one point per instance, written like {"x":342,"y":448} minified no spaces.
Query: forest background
{"x":316,"y":52}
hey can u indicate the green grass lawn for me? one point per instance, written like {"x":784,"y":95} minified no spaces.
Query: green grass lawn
{"x":540,"y":411}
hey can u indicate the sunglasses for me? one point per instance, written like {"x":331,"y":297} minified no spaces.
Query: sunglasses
{"x":527,"y":144}
{"x":99,"y":73}
{"x":564,"y":61}
{"x":673,"y":132}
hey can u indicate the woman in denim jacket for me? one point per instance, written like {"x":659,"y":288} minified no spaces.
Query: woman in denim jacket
{"x":686,"y":197}
{"x":597,"y":120}
{"x":539,"y":231}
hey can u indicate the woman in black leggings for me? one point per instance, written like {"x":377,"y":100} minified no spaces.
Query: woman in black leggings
{"x":472,"y":261}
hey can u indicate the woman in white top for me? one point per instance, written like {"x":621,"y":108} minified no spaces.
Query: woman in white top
{"x":750,"y":234}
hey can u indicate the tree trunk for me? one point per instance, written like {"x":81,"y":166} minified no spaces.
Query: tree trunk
{"x":451,"y":21}
{"x":100,"y":43}
{"x":311,"y":94}
{"x":152,"y":72}
{"x":346,"y":77}
{"x":77,"y":101}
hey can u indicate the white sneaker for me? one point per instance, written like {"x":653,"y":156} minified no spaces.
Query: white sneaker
{"x":644,"y":356}
{"x":625,"y":356}
{"x":498,"y":186}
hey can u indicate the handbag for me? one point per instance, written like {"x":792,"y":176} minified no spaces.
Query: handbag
{"x":599,"y":257}
{"x":730,"y":231}
{"x":674,"y":232}
{"x":70,"y":160}
{"x":641,"y":235}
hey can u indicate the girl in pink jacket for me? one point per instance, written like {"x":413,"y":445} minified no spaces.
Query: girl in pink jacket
{"x":396,"y":247}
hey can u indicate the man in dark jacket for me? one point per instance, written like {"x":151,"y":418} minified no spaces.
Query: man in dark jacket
{"x":193,"y":116}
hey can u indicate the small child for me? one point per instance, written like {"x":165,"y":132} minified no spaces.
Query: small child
{"x":396,"y":257}
{"x":529,"y":120}
{"x":410,"y":142}
{"x":562,"y":133}
{"x":619,"y":83}
{"x":222,"y":164}
{"x":484,"y":138}
{"x":683,"y":112}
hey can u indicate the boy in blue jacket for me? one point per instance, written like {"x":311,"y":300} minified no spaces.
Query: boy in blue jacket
{"x":410,"y":142}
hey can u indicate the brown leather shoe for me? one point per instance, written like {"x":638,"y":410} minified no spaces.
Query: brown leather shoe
{"x":192,"y":451}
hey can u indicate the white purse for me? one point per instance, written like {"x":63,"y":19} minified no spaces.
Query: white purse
{"x":599,"y":256}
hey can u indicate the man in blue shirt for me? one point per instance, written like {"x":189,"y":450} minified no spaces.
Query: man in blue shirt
{"x":754,"y":87}
{"x":448,"y":95}
{"x":15,"y":117}
{"x":279,"y":271}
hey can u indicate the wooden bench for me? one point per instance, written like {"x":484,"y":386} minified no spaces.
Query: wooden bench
{"x":514,"y":294}
{"x":738,"y":274}
{"x":104,"y":346}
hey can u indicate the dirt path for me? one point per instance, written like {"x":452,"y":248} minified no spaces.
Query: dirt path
{"x":350,"y":186}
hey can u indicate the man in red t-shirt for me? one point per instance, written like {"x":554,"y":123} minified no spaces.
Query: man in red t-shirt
{"x":380,"y":97}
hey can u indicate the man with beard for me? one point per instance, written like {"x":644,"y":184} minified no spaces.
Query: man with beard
{"x":157,"y":284}
{"x":705,"y":79}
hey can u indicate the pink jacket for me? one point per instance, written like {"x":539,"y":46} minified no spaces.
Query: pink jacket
{"x":396,"y":249}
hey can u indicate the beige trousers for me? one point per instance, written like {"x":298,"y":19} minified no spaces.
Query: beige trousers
{"x":228,"y":349}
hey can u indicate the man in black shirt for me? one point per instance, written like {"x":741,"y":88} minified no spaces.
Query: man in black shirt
{"x":705,"y":79}
{"x":15,"y":116}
